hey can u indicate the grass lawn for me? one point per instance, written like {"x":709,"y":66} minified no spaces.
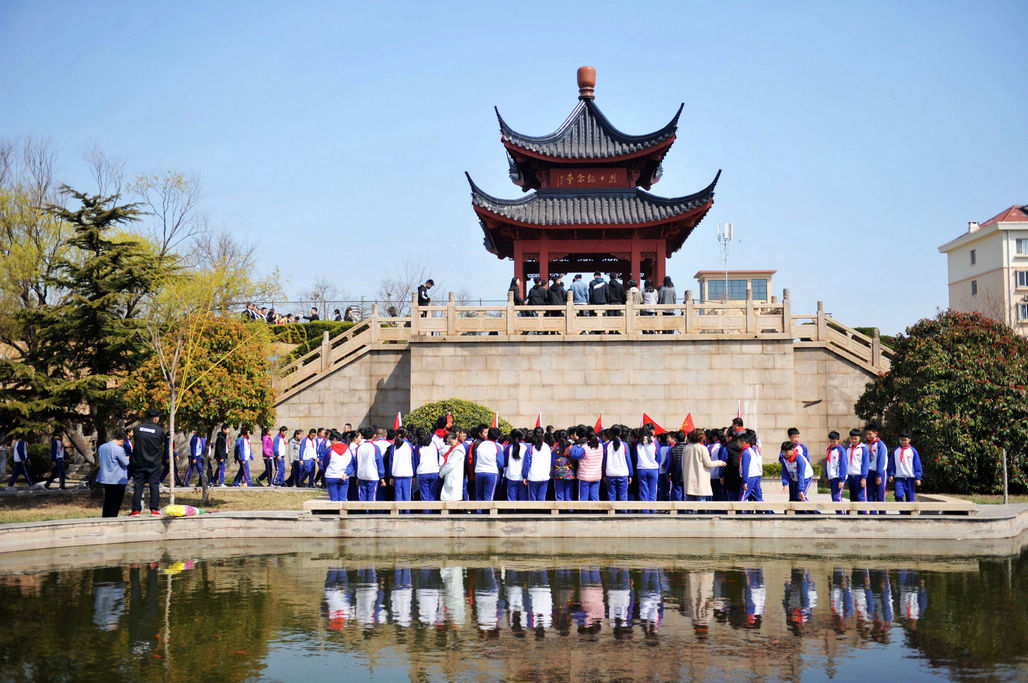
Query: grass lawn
{"x":40,"y":506}
{"x":988,"y":499}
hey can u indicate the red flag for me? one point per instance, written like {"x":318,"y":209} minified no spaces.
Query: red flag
{"x":449,"y":420}
{"x":738,"y":410}
{"x":657,"y":429}
{"x":687,"y":424}
{"x":539,"y":420}
{"x":496,"y":420}
{"x":397,"y":422}
{"x":599,"y":424}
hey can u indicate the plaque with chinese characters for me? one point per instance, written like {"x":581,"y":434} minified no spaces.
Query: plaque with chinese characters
{"x":566,"y":178}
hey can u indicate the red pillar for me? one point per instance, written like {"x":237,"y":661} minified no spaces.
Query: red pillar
{"x":660,"y":262}
{"x":635,"y":265}
{"x":519,"y":264}
{"x":544,"y":261}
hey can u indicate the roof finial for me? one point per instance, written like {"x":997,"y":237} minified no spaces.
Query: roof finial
{"x":586,"y":82}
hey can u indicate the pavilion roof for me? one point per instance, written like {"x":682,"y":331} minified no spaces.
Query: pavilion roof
{"x":587,"y":135}
{"x":621,"y":206}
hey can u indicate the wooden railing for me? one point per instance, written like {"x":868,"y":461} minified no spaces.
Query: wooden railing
{"x":323,"y":506}
{"x":689,"y":320}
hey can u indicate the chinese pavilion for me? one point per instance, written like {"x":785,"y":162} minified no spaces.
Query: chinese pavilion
{"x":587,"y":212}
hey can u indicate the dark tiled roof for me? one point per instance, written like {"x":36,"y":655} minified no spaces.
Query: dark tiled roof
{"x":598,"y":207}
{"x":587,"y":134}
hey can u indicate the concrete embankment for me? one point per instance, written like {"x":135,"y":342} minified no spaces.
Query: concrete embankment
{"x":996,"y":530}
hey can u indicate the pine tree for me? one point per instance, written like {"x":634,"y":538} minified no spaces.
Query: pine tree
{"x":93,"y":337}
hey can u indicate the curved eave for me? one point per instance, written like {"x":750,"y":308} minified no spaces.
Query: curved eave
{"x":486,"y":206}
{"x":518,"y":142}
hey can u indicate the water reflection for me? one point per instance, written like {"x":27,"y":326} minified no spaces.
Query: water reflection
{"x":494,"y":617}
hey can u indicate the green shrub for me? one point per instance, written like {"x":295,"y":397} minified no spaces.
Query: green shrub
{"x":465,"y":414}
{"x":306,"y":335}
{"x":39,"y":460}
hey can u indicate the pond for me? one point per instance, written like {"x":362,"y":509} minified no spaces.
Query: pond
{"x":491,"y":610}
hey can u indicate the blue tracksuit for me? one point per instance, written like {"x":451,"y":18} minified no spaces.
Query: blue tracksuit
{"x":57,"y":457}
{"x":21,"y":464}
{"x":197,"y":448}
{"x":280,"y":446}
{"x":485,"y":480}
{"x":857,"y":461}
{"x":537,"y":489}
{"x":796,"y":475}
{"x":516,"y":489}
{"x":877,"y":465}
{"x":716,"y":487}
{"x":402,"y":464}
{"x":615,"y":463}
{"x":753,"y":490}
{"x":308,"y":456}
{"x":835,"y":470}
{"x":905,"y":468}
{"x":647,"y":455}
{"x":368,"y":463}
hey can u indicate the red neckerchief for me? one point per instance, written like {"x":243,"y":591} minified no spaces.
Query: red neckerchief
{"x":452,"y":449}
{"x":793,"y":458}
{"x":337,"y":446}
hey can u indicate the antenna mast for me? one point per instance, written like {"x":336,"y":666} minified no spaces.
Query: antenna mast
{"x":724,"y":237}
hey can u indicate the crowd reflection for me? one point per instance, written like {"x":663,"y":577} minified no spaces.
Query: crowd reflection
{"x":617,"y":600}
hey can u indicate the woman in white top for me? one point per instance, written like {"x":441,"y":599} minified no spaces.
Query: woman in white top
{"x":452,"y":471}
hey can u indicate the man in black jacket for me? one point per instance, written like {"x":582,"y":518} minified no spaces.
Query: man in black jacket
{"x":146,"y":460}
{"x":731,"y":453}
{"x":220,"y":455}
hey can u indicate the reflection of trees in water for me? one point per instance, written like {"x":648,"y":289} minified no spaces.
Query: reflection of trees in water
{"x":578,"y":622}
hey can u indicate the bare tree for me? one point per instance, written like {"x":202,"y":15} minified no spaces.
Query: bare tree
{"x":108,"y":172}
{"x":321,"y":293}
{"x":398,"y":289}
{"x":220,"y":251}
{"x":172,"y":199}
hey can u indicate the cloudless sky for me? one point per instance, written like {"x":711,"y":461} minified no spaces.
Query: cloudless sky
{"x":854,"y":138}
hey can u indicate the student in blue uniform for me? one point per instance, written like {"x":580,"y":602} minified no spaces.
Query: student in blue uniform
{"x":402,"y":463}
{"x":857,"y":461}
{"x":369,"y":465}
{"x":280,"y":447}
{"x":538,"y":466}
{"x":905,"y":469}
{"x":796,"y":472}
{"x":516,"y":472}
{"x":647,"y":465}
{"x":487,"y":465}
{"x":835,"y":466}
{"x":197,"y":449}
{"x":243,"y":456}
{"x":877,"y":466}
{"x":429,"y":462}
{"x":340,"y":467}
{"x":308,"y":458}
{"x":21,"y":463}
{"x":57,"y":458}
{"x":751,"y":469}
{"x":617,"y":466}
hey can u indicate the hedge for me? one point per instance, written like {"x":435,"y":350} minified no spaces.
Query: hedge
{"x":465,"y":414}
{"x":306,"y":335}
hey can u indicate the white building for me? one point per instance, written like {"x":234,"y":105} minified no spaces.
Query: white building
{"x":988,"y":268}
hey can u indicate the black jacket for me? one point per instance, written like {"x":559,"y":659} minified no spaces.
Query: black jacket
{"x":731,"y":452}
{"x":221,"y":447}
{"x":148,"y":447}
{"x":616,"y":293}
{"x":598,"y":292}
{"x":538,"y":296}
{"x":423,"y":298}
{"x":558,"y":295}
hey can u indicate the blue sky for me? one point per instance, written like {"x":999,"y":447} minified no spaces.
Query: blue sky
{"x":854,"y":138}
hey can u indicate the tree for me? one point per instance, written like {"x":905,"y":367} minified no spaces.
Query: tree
{"x":958,"y":382}
{"x":171,"y":199}
{"x":465,"y":414}
{"x":85,"y":344}
{"x":396,"y":290}
{"x":207,"y":370}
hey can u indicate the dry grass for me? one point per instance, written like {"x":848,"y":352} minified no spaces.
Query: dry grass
{"x":988,"y":499}
{"x":40,"y":506}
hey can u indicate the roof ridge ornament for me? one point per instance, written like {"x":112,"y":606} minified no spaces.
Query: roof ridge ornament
{"x":586,"y":82}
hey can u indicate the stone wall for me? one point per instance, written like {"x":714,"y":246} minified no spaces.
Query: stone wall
{"x":777,"y":384}
{"x":369,"y":390}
